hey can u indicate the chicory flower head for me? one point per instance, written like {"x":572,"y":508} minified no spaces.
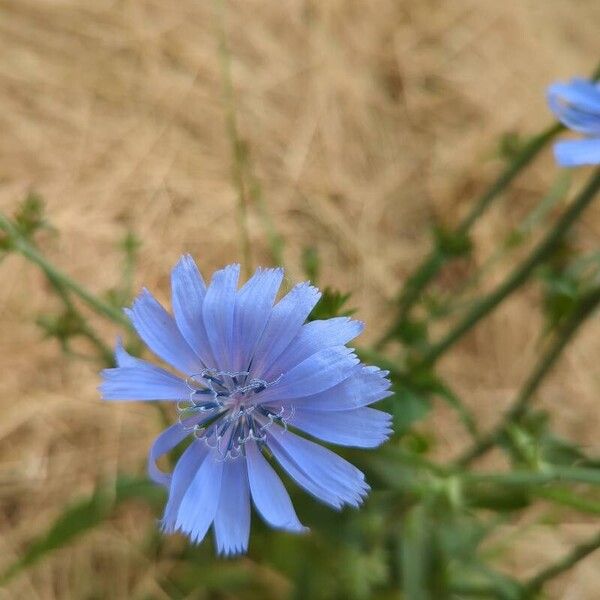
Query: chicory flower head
{"x":577,"y":105}
{"x":250,"y":369}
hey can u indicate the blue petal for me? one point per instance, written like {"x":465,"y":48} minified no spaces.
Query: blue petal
{"x":185,"y":470}
{"x":285,"y":322}
{"x":123,"y":358}
{"x":319,"y":471}
{"x":232,"y":521}
{"x":365,"y":386}
{"x":219,"y":311}
{"x":575,"y":118}
{"x":140,"y":380}
{"x":253,"y":308}
{"x":361,"y":428}
{"x":165,"y":442}
{"x":317,"y":373}
{"x":578,"y":92}
{"x":160,"y":333}
{"x":268,"y":493}
{"x":574,"y":153}
{"x":188,"y":291}
{"x":201,"y":500}
{"x":313,"y":337}
{"x":577,"y":105}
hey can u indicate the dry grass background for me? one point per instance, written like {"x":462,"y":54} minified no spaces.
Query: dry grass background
{"x":364,"y":120}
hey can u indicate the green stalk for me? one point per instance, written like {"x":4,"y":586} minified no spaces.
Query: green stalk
{"x":550,"y":474}
{"x":434,"y":261}
{"x":475,"y":590}
{"x":566,"y":497}
{"x":520,"y":275}
{"x":24,"y":247}
{"x":237,"y":147}
{"x":585,"y":308}
{"x":84,"y":329}
{"x":537,"y":582}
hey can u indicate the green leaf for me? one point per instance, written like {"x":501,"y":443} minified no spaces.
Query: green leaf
{"x":532,"y":441}
{"x":511,"y":145}
{"x":566,"y":497}
{"x":459,"y":536}
{"x":83,"y":516}
{"x":28,"y":219}
{"x":415,"y":548}
{"x":413,"y":333}
{"x":498,"y":498}
{"x":331,"y":304}
{"x":407,"y":406}
{"x":30,"y":215}
{"x":450,"y":243}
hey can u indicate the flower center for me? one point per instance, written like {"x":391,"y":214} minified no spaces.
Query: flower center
{"x":224,"y":410}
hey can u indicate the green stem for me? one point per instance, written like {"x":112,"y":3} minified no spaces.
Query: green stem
{"x":476,"y":590}
{"x":434,"y":261}
{"x":585,"y":308}
{"x":566,"y":497}
{"x":237,"y":147}
{"x":276,"y":243}
{"x":578,"y":553}
{"x":21,"y":245}
{"x":84,"y":329}
{"x":515,"y":238}
{"x":520,"y":275}
{"x":411,"y":291}
{"x":432,"y":264}
{"x":550,"y":474}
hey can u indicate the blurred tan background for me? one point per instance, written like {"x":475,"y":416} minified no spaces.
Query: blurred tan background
{"x":364,"y":120}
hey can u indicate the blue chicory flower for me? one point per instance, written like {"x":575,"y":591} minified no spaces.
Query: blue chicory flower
{"x":577,"y":105}
{"x":250,"y":368}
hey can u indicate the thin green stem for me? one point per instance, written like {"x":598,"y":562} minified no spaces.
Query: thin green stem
{"x":434,"y":261}
{"x":515,"y":238}
{"x":566,"y":497}
{"x":537,"y":582}
{"x":238,"y":149}
{"x":411,"y":291}
{"x":464,"y":414}
{"x":477,"y":590}
{"x":25,"y":248}
{"x":276,"y":243}
{"x":83,"y":327}
{"x":527,"y":154}
{"x":585,"y":308}
{"x":520,"y":275}
{"x":550,"y":474}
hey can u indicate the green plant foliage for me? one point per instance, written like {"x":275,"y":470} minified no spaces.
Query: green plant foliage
{"x":332,"y":304}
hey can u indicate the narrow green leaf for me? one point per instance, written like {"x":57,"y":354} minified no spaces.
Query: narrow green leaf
{"x":83,"y":516}
{"x":408,"y":406}
{"x":415,"y":554}
{"x":331,"y":304}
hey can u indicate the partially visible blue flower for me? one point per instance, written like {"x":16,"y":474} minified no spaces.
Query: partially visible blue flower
{"x":577,"y":105}
{"x":250,"y":369}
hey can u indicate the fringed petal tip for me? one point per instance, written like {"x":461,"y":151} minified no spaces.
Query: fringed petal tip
{"x":232,"y":552}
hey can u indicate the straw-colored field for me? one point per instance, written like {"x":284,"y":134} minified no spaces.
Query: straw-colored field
{"x":364,"y":120}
